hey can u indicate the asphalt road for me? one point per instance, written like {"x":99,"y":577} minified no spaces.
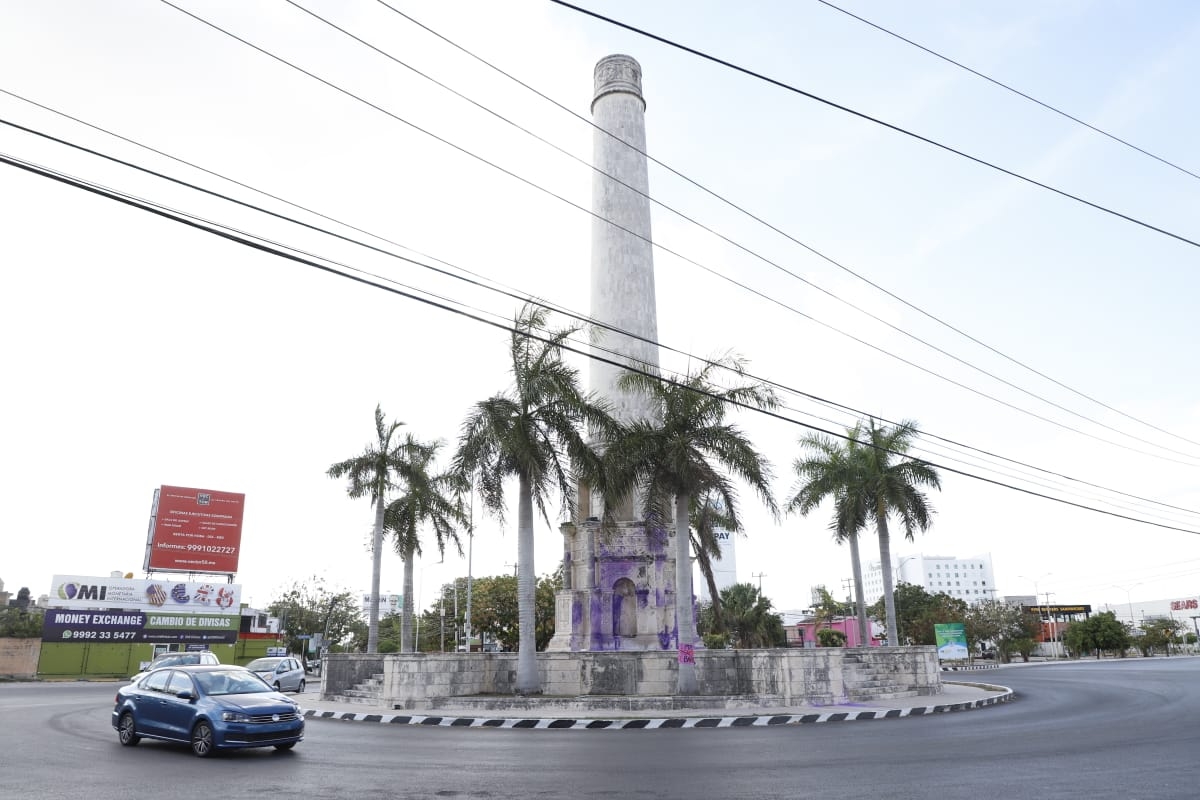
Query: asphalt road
{"x":1097,"y":730}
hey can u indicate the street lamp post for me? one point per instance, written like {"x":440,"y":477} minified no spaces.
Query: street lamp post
{"x":1126,"y":590}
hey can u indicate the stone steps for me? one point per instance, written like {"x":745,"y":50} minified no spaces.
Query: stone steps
{"x":356,"y":699}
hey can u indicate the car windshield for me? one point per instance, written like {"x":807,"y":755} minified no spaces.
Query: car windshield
{"x":230,"y":681}
{"x":263,"y":664}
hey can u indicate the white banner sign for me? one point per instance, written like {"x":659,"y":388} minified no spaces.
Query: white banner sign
{"x":79,"y":591}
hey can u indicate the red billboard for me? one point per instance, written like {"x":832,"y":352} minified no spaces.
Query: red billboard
{"x":195,"y":530}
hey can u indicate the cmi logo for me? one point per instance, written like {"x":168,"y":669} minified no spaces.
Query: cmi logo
{"x":203,"y":498}
{"x":82,"y":591}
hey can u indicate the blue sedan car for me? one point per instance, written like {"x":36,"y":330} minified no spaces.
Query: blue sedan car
{"x":209,"y":708}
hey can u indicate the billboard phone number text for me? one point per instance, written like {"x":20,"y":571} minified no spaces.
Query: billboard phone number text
{"x":112,"y":636}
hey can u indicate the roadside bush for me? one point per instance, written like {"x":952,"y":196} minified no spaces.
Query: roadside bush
{"x":827,"y":637}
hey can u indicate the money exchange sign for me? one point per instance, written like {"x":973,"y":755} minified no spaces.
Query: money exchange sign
{"x":67,"y":625}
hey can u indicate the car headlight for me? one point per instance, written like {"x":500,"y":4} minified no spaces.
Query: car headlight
{"x":234,"y":716}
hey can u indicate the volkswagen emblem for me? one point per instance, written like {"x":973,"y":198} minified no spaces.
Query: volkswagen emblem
{"x":275,"y":718}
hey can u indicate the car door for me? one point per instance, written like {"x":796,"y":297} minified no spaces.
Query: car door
{"x":288,"y":679}
{"x":178,"y":712}
{"x":150,"y":703}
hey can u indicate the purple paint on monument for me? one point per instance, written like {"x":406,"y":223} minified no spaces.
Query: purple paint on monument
{"x":656,"y":539}
{"x":597,"y":616}
{"x":643,"y":597}
{"x":664,"y":639}
{"x":576,"y":613}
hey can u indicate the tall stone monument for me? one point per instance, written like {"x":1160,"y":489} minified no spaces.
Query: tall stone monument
{"x":619,"y":583}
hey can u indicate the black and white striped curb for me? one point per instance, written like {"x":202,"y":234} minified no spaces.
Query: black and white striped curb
{"x":658,"y":722}
{"x":967,"y":667}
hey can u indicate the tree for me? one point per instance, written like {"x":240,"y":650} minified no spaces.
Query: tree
{"x":890,"y":486}
{"x":22,"y":599}
{"x":19,"y":624}
{"x":1098,"y":633}
{"x":750,"y":618}
{"x":828,"y":637}
{"x":688,"y":451}
{"x":830,"y":470}
{"x":829,"y":609}
{"x":494,"y":613}
{"x":1159,"y":633}
{"x":1003,"y":624}
{"x":434,"y":500}
{"x":544,"y":606}
{"x":532,"y":432}
{"x":382,"y":467}
{"x":919,"y":611}
{"x":308,"y":608}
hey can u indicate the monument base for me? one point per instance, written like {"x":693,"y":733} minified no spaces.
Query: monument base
{"x":774,"y":677}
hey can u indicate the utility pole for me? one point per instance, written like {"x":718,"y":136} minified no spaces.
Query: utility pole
{"x":1053,"y":626}
{"x":758,"y":575}
{"x":470,"y":548}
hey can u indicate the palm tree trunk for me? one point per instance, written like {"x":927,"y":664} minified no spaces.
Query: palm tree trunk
{"x":685,"y":623}
{"x":407,"y":645}
{"x":860,"y":606}
{"x":885,"y":566}
{"x":528,"y":680}
{"x":376,"y":567}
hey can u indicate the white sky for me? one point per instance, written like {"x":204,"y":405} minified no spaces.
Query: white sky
{"x":137,"y":352}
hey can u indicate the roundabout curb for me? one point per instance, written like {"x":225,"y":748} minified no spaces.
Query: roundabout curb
{"x":652,"y":723}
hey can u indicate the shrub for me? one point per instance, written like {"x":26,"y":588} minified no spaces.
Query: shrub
{"x":827,"y":637}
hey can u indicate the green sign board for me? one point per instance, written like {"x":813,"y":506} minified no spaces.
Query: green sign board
{"x":951,"y":641}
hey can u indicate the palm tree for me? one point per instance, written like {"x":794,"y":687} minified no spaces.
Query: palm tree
{"x":427,"y":500}
{"x":751,"y":618}
{"x":890,"y":486}
{"x":380,"y":469}
{"x":831,"y":469}
{"x":707,"y":518}
{"x":532,"y":432}
{"x":689,"y":450}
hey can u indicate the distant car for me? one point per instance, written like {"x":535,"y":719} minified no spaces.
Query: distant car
{"x":314,"y":665}
{"x":209,"y":708}
{"x":177,"y":660}
{"x":283,"y":673}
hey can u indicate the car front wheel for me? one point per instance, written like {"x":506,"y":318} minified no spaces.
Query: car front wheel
{"x":202,"y":739}
{"x":287,"y":746}
{"x":127,"y":730}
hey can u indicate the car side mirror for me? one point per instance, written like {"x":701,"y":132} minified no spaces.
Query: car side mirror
{"x":186,"y":694}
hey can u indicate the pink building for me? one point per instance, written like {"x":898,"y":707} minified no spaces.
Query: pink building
{"x":804,"y":634}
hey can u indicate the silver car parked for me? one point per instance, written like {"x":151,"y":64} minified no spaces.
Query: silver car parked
{"x":283,"y":673}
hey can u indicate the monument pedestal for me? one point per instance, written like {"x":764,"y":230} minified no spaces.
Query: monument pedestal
{"x":618,"y":589}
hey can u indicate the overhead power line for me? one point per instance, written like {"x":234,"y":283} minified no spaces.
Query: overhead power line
{"x":504,"y":290}
{"x":1008,"y":88}
{"x":877,"y":121}
{"x":762,"y":295}
{"x":742,"y":210}
{"x":243,"y":240}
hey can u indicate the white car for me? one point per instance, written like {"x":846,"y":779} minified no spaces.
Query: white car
{"x":283,"y":673}
{"x":176,"y":660}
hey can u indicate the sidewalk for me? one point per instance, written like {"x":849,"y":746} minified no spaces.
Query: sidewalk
{"x":961,"y":695}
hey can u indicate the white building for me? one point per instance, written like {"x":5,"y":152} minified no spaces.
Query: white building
{"x":968,"y":579}
{"x":724,"y":569}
